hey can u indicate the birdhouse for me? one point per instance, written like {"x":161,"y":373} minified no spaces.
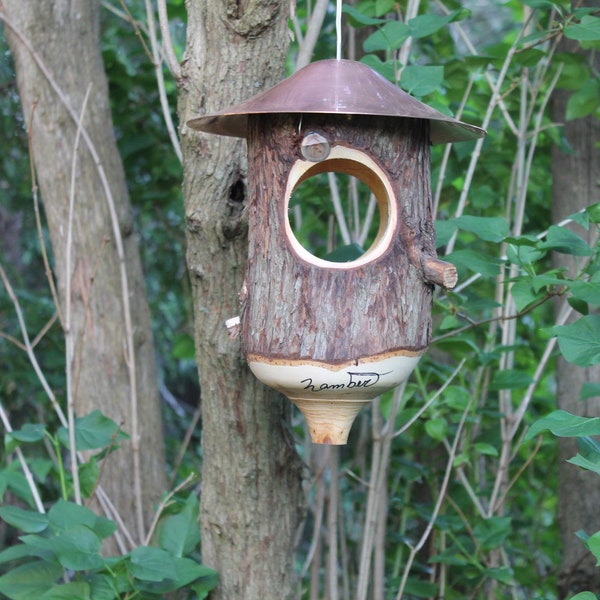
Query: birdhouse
{"x":334,"y":335}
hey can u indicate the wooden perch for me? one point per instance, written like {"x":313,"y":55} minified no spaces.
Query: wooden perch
{"x":439,"y":272}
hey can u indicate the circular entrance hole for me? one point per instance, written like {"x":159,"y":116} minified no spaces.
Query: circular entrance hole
{"x":334,"y":216}
{"x":339,"y":210}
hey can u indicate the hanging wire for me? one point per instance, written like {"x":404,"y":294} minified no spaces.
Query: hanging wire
{"x":338,"y":28}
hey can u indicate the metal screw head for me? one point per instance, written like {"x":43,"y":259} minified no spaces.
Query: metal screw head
{"x":315,"y":147}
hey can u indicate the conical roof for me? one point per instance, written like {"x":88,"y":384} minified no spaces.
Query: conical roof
{"x":336,"y":87}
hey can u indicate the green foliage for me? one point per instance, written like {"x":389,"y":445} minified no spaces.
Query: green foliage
{"x":59,"y":551}
{"x":493,"y":223}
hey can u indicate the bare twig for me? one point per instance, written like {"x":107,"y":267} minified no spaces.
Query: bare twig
{"x":307,"y":44}
{"x":160,"y":79}
{"x":165,"y":503}
{"x":438,"y":504}
{"x":29,"y":349}
{"x":165,"y":32}
{"x":431,"y":400}
{"x":338,"y":209}
{"x":24,"y":466}
{"x":69,"y":341}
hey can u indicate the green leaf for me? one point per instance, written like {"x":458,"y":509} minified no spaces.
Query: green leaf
{"x":187,"y":573}
{"x":345,"y":253}
{"x":78,"y":549}
{"x":420,"y":589}
{"x":491,"y":533}
{"x":102,"y":587}
{"x":389,"y":37}
{"x":88,"y":476}
{"x":426,"y":25}
{"x":444,"y":230}
{"x":436,"y":428}
{"x":564,"y":424}
{"x":27,"y":521}
{"x":14,"y":553}
{"x":588,"y":29}
{"x":65,"y":514}
{"x":523,"y":250}
{"x":593,"y":544}
{"x":584,"y":101}
{"x":179,"y":534}
{"x":152,"y":564}
{"x":561,"y":239}
{"x":579,"y":342}
{"x":386,"y":69}
{"x":593,"y":212}
{"x":476,"y":262}
{"x":183,"y":347}
{"x":420,"y":81}
{"x":68,"y":591}
{"x":523,"y":294}
{"x":539,"y":3}
{"x":587,"y":291}
{"x":489,"y":229}
{"x":29,"y":433}
{"x":501,"y":574}
{"x":589,"y":390}
{"x":584,"y":596}
{"x":585,"y":463}
{"x":358,"y":19}
{"x":486,"y":449}
{"x":29,"y":581}
{"x":510,"y":379}
{"x":93,"y":431}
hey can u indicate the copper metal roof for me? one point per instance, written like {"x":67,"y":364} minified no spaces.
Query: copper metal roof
{"x":336,"y":87}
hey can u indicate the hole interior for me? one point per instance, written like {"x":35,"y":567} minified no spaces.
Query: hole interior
{"x":354,"y":163}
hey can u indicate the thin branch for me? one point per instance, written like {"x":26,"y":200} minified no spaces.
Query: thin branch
{"x":29,"y":349}
{"x":332,"y":521}
{"x":307,"y":45}
{"x":168,"y":49}
{"x":337,"y":207}
{"x":69,"y":343}
{"x":160,"y":80}
{"x":493,"y":103}
{"x":431,"y":400}
{"x":501,"y":318}
{"x":164,"y":504}
{"x":441,"y":495}
{"x":24,"y":466}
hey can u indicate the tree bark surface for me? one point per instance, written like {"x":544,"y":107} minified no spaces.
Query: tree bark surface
{"x":575,"y":185}
{"x":252,"y":500}
{"x":64,"y":36}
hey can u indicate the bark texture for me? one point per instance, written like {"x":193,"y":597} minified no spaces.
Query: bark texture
{"x":298,"y":310}
{"x":575,"y":185}
{"x":64,"y":36}
{"x":252,"y":500}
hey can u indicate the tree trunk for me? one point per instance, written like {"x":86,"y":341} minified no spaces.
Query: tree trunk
{"x":252,"y":501}
{"x":57,"y":56}
{"x":575,"y":185}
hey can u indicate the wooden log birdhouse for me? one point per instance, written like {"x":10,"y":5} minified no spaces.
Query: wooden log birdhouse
{"x":334,"y":335}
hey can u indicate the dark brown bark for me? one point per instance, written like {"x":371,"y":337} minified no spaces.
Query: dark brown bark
{"x":64,"y":36}
{"x":298,"y":310}
{"x":252,"y":499}
{"x":575,"y":185}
